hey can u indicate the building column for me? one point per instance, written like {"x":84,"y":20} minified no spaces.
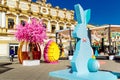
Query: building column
{"x":3,"y":20}
{"x":2,"y":2}
{"x":57,"y":26}
{"x":72,"y":27}
{"x":65,"y":26}
{"x":49,"y":26}
{"x":17,"y":19}
{"x":0,"y":19}
{"x":29,"y":19}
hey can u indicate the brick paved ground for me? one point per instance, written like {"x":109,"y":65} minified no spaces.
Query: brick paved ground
{"x":16,"y":71}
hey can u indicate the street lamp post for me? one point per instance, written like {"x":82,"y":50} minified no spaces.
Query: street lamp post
{"x":70,"y":43}
{"x":109,"y":38}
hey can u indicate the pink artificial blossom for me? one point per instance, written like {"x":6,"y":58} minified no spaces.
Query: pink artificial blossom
{"x":31,"y":32}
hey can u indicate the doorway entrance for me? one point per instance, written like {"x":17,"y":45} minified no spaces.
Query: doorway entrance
{"x":15,"y":48}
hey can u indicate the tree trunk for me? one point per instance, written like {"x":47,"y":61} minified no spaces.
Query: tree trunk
{"x":30,"y":51}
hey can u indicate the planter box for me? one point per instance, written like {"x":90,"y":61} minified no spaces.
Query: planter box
{"x":70,"y":57}
{"x":111,"y":57}
{"x":31,"y":62}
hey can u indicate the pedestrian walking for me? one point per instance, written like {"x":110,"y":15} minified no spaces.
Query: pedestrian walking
{"x":11,"y":54}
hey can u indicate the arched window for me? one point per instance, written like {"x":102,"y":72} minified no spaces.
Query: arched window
{"x":44,"y":25}
{"x":61,"y":27}
{"x":11,"y":23}
{"x":53,"y":29}
{"x":22,"y":22}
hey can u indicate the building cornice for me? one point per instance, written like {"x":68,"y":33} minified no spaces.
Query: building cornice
{"x":37,"y":9}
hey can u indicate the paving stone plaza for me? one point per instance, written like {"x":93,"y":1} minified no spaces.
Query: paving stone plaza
{"x":16,"y":71}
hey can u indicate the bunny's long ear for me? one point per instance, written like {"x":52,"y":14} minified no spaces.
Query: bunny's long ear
{"x":87,"y":15}
{"x":79,"y":13}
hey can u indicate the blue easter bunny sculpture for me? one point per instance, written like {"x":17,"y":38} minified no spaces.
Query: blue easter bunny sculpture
{"x":83,"y":67}
{"x":83,"y":50}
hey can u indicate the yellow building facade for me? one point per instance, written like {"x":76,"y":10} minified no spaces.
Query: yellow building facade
{"x":13,"y":12}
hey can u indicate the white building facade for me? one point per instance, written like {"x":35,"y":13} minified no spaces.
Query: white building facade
{"x":13,"y":12}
